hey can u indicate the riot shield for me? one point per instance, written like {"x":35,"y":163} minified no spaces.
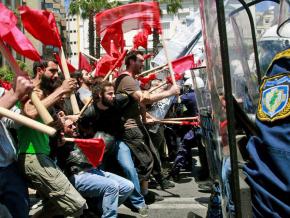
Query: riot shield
{"x":284,"y":19}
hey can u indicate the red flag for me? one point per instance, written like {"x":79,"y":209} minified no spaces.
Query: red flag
{"x":7,"y":20}
{"x":130,"y":17}
{"x":10,"y":34}
{"x":104,"y":65}
{"x":93,"y":149}
{"x":41,"y":24}
{"x":114,"y":33}
{"x":178,"y":76}
{"x":83,"y":63}
{"x":184,"y":63}
{"x":147,"y":79}
{"x":71,"y":68}
{"x":141,"y":38}
{"x":118,"y":63}
{"x":147,"y":56}
{"x":113,"y":50}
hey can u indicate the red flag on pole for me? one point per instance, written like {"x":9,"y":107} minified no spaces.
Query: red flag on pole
{"x":10,"y":34}
{"x":184,"y":63}
{"x":93,"y":149}
{"x":84,"y":63}
{"x":118,"y":63}
{"x":41,"y":25}
{"x":104,"y":65}
{"x":113,"y":50}
{"x":71,"y":68}
{"x":129,"y":17}
{"x":115,"y":34}
{"x":141,"y":38}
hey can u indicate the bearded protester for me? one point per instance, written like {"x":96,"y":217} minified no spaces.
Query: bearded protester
{"x":84,"y":91}
{"x":60,"y":197}
{"x":104,"y":117}
{"x":13,"y":194}
{"x":135,"y":134}
{"x":105,"y":190}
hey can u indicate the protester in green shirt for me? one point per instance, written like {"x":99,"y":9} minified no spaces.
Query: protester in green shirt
{"x":60,"y":197}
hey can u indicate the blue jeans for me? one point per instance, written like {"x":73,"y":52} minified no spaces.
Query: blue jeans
{"x":111,"y":188}
{"x":124,"y":158}
{"x":13,"y":191}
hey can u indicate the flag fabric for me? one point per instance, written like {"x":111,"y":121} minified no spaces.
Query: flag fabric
{"x":184,"y":63}
{"x":147,"y":79}
{"x":178,"y":76}
{"x":93,"y":149}
{"x":119,"y":61}
{"x":115,"y":34}
{"x":41,"y":25}
{"x":147,"y":56}
{"x":129,"y":17}
{"x":104,"y":65}
{"x":114,"y":50}
{"x":84,"y":63}
{"x":71,"y":68}
{"x":11,"y":35}
{"x":141,"y":38}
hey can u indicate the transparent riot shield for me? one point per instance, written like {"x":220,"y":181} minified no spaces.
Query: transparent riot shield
{"x":284,"y":19}
{"x":241,"y":39}
{"x":217,"y":119}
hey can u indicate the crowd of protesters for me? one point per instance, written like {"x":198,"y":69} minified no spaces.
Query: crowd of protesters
{"x":59,"y":171}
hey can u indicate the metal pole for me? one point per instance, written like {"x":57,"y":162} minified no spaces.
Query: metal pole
{"x":229,"y":105}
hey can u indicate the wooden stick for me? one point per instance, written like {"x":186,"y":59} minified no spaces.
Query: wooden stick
{"x":27,"y":121}
{"x":107,"y":75}
{"x":168,"y":60}
{"x":157,"y":87}
{"x":151,"y":70}
{"x":90,"y":56}
{"x":180,"y":119}
{"x":168,"y":122}
{"x":41,"y":109}
{"x":85,"y":107}
{"x":74,"y":103}
{"x":69,"y":139}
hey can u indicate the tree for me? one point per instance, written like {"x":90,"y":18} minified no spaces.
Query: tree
{"x":88,"y":9}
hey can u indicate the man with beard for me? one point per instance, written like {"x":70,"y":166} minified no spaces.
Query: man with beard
{"x":104,"y":116}
{"x":104,"y":190}
{"x":84,"y":91}
{"x":135,"y":134}
{"x":60,"y":197}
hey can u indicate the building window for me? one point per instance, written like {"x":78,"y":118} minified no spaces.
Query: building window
{"x":75,"y":42}
{"x":75,"y":31}
{"x":74,"y":19}
{"x":267,"y":20}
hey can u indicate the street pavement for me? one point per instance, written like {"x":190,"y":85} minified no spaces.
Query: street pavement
{"x":185,"y":200}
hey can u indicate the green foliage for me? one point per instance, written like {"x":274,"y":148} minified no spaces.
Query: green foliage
{"x":6,"y":74}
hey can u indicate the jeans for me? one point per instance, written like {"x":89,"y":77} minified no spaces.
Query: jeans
{"x":13,"y":191}
{"x":111,"y":188}
{"x":124,"y":158}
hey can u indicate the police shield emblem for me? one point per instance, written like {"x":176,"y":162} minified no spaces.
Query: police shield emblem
{"x":274,"y":98}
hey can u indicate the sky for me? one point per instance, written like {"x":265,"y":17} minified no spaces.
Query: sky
{"x":265,"y":5}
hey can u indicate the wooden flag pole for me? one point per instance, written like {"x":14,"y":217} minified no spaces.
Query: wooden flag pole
{"x":151,"y":70}
{"x":74,"y":103}
{"x":69,"y":139}
{"x":181,"y":119}
{"x":168,"y":60}
{"x":85,"y":107}
{"x":41,"y":109}
{"x":90,"y":56}
{"x":27,"y":121}
{"x":107,"y":75}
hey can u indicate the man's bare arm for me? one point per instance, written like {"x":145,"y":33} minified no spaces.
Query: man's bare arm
{"x":66,"y":87}
{"x":147,"y":98}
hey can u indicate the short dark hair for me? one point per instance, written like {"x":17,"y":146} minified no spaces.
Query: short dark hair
{"x":100,"y":88}
{"x":41,"y":64}
{"x":132,"y":55}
